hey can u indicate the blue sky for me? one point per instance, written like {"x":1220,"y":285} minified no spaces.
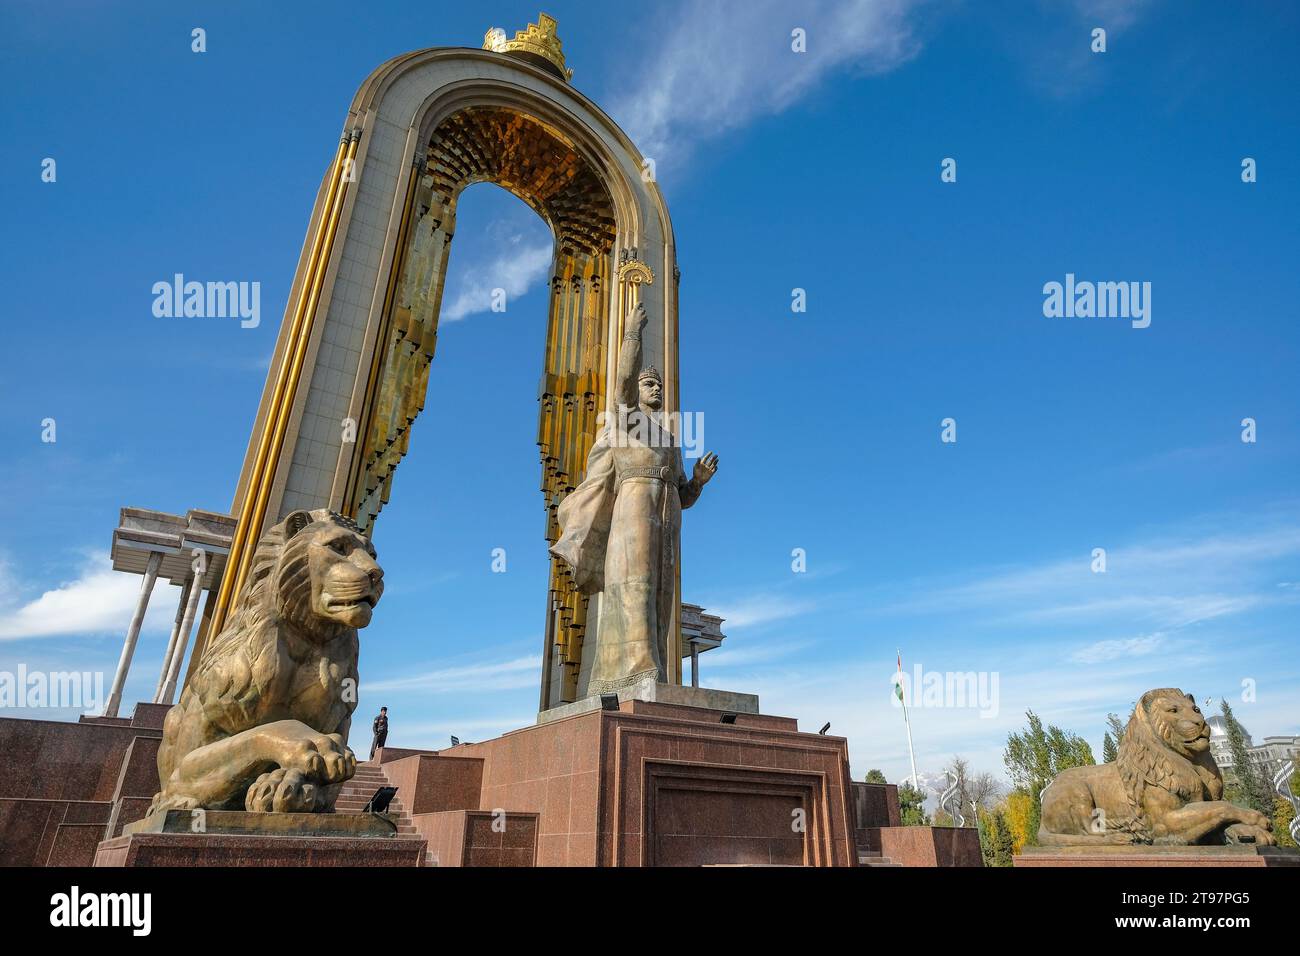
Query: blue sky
{"x":818,"y":171}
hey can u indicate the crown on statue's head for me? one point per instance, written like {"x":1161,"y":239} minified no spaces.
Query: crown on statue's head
{"x":539,"y":44}
{"x":650,"y":372}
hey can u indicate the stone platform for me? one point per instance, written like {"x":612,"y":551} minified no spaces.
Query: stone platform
{"x":929,"y":846}
{"x":206,"y":849}
{"x":1162,"y":856}
{"x":242,"y":823}
{"x":653,"y":691}
{"x":65,"y":786}
{"x":657,"y":782}
{"x":651,"y":784}
{"x":238,"y":838}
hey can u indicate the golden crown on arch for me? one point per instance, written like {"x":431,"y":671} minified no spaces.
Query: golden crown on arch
{"x":539,"y":44}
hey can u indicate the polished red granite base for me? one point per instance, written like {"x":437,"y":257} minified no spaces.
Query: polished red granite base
{"x":651,"y":784}
{"x":200,"y":849}
{"x":1162,"y":856}
{"x":875,"y":805}
{"x":929,"y":846}
{"x":480,"y":838}
{"x":64,"y":786}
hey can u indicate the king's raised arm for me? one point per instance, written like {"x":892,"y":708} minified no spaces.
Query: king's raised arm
{"x":629,"y":359}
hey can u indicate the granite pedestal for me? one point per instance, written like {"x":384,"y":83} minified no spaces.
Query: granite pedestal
{"x":653,"y":691}
{"x":236,"y":838}
{"x":1163,"y":856}
{"x":650,"y":784}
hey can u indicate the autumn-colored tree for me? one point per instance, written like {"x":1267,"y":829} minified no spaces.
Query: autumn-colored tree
{"x":1283,"y":814}
{"x":1018,"y":811}
{"x":1284,"y":811}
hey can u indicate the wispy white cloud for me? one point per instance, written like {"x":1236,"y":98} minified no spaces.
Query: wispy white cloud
{"x":436,"y":734}
{"x":1068,"y":643}
{"x":756,"y":609}
{"x":98,"y":600}
{"x":722,"y":65}
{"x":515,"y":269}
{"x":1099,"y":652}
{"x":1166,"y":582}
{"x":1112,"y":14}
{"x":509,"y":674}
{"x":1058,"y":50}
{"x":750,"y":653}
{"x":1170,"y":610}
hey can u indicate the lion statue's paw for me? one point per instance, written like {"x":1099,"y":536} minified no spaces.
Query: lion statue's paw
{"x":1249,"y":833}
{"x":282,"y":791}
{"x":323,"y":757}
{"x":161,"y":801}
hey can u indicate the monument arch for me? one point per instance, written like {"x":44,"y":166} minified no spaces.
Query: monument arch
{"x":355,"y":350}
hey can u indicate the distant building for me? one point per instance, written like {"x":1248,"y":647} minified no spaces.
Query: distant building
{"x":1267,"y":756}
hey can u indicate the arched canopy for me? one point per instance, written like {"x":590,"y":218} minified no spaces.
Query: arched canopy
{"x":353,"y":356}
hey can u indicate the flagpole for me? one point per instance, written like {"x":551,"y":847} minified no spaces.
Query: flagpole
{"x":907,"y":721}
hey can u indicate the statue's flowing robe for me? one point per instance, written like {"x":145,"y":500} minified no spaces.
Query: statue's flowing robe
{"x":585,"y":516}
{"x":620,"y":530}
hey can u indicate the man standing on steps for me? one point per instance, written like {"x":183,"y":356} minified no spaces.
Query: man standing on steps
{"x":380,"y":728}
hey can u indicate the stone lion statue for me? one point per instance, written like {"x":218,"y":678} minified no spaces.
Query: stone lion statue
{"x":263,"y":723}
{"x":1163,"y":788}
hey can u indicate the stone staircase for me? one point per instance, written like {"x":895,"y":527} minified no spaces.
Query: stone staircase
{"x":873,"y":858}
{"x":357,"y":792}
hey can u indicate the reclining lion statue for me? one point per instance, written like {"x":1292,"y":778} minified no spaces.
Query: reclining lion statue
{"x":263,"y":723}
{"x":1163,"y":788}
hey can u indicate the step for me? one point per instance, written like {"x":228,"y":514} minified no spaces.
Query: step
{"x":357,"y":802}
{"x":356,"y":793}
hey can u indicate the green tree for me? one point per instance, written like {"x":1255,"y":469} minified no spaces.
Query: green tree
{"x":986,"y":829}
{"x":911,"y":806}
{"x":1250,"y":789}
{"x":1038,"y":754}
{"x":1109,"y":749}
{"x":1110,"y":742}
{"x":1283,"y":814}
{"x":1116,"y":727}
{"x":1035,"y":756}
{"x":1004,"y":847}
{"x":875,"y":776}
